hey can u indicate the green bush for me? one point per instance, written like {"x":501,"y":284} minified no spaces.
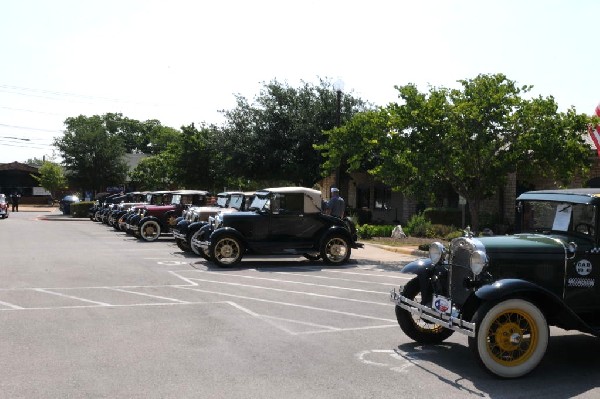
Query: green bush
{"x":80,"y":209}
{"x":446,"y":216}
{"x":419,"y":226}
{"x":370,"y":230}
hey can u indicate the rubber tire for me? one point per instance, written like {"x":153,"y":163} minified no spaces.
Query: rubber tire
{"x":335,"y":239}
{"x":236,"y":247}
{"x":150,"y":223}
{"x":183,"y":245}
{"x":487,"y":315}
{"x":196,"y":250}
{"x":428,"y":333}
{"x":312,"y":257}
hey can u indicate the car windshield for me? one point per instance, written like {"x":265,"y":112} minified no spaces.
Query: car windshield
{"x":222,"y":201}
{"x":546,"y":216}
{"x":2,"y":199}
{"x":260,"y":202}
{"x":236,"y":201}
{"x":176,"y":200}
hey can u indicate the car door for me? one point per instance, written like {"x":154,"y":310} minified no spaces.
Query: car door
{"x":289,"y":228}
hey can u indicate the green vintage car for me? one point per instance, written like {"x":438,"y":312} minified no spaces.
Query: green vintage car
{"x":504,"y":292}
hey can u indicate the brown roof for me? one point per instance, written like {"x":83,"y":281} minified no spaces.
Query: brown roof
{"x":18,"y":166}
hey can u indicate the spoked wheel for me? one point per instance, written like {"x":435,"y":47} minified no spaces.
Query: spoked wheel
{"x":422,"y":331}
{"x":335,"y":250}
{"x":511,"y":337}
{"x":196,"y":249}
{"x":150,"y":230}
{"x":226,"y":251}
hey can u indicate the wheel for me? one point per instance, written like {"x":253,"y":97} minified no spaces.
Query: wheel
{"x":421,"y":331}
{"x":150,"y":230}
{"x":511,"y":337}
{"x":226,"y":251}
{"x":183,"y":245}
{"x":312,"y":257}
{"x":335,"y":250}
{"x":196,"y":249}
{"x":97,"y":216}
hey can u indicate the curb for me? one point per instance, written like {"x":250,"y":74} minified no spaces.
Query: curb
{"x":408,"y":250}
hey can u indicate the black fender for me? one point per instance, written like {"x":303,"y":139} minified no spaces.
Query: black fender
{"x":418,"y":266}
{"x":220,"y":232}
{"x":179,"y":219}
{"x":341,"y":230}
{"x":194,"y":227}
{"x":151,"y":218}
{"x":553,"y":307}
{"x":182,"y":226}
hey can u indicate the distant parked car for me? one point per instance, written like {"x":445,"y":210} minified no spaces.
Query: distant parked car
{"x":3,"y":206}
{"x":65,"y":203}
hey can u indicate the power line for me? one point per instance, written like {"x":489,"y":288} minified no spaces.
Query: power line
{"x":30,"y":128}
{"x":47,"y":146}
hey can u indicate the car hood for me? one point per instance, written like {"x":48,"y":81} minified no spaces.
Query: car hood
{"x":524,"y":244}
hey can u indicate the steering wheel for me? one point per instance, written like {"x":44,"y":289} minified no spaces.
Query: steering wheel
{"x":585,"y":228}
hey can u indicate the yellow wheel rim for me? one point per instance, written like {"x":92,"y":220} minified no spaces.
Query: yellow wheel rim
{"x":512,"y":337}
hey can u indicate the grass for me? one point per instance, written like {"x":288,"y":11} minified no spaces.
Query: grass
{"x":400,"y":242}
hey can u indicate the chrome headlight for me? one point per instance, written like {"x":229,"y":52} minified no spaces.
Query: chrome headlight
{"x":218,"y":221}
{"x":436,"y":252}
{"x":479,"y":261}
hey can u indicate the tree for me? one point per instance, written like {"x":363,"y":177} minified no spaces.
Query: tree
{"x":153,"y":173}
{"x":470,"y":139}
{"x":93,"y":156}
{"x":274,"y":137}
{"x":51,"y":177}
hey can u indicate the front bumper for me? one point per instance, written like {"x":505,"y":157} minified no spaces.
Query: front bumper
{"x":432,"y":315}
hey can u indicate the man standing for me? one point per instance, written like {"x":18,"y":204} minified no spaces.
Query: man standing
{"x":336,"y":205}
{"x":14,"y":199}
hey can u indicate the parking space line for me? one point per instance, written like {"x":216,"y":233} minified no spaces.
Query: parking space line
{"x":148,"y":295}
{"x":290,"y":304}
{"x":71,"y":296}
{"x":295,"y":282}
{"x":10,"y":305}
{"x":337,"y":278}
{"x":297,"y":292}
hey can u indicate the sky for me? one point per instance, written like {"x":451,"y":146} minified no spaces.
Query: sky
{"x":182,"y":61}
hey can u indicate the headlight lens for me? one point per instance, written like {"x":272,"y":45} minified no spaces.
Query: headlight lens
{"x":218,"y":221}
{"x":479,"y":260}
{"x":436,"y":252}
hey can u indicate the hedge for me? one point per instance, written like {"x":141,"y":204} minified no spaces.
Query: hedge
{"x":80,"y":209}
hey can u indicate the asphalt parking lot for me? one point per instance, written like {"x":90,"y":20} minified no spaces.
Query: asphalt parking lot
{"x":89,"y":312}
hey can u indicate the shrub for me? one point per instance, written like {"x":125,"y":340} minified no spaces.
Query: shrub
{"x":370,"y":230}
{"x":446,"y":216}
{"x":419,"y":226}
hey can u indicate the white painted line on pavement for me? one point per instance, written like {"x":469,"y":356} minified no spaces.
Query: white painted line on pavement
{"x":10,"y":305}
{"x":71,"y":296}
{"x":148,"y":295}
{"x":337,"y":279}
{"x":290,"y":304}
{"x":294,"y":282}
{"x":295,"y":292}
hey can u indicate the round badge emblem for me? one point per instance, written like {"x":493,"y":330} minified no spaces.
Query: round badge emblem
{"x":583,"y":267}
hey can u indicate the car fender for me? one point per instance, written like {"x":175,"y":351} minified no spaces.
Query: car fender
{"x":182,"y":226}
{"x":417,"y":266}
{"x":194,"y":227}
{"x":337,"y":230}
{"x":220,"y":232}
{"x":149,"y":218}
{"x":548,"y":302}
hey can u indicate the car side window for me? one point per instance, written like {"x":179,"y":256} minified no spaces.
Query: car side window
{"x":288,"y":203}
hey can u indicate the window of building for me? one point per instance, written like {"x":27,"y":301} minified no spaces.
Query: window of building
{"x":383,"y":197}
{"x":363,"y":197}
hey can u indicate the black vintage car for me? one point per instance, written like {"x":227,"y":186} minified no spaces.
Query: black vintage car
{"x":504,"y":291}
{"x":280,"y":221}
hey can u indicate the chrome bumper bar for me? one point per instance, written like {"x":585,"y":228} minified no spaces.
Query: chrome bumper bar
{"x":179,"y":235}
{"x":426,"y":313}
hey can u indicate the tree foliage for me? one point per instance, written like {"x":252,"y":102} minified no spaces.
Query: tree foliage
{"x":51,"y":177}
{"x":273,"y":138}
{"x":92,"y":153}
{"x":469,"y":138}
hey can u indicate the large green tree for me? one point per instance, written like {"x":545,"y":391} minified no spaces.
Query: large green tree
{"x":469,"y":138}
{"x":93,"y":154}
{"x":273,"y":138}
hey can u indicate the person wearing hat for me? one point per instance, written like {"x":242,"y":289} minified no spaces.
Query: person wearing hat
{"x":336,"y":205}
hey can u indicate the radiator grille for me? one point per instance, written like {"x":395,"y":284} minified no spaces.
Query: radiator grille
{"x":460,"y":270}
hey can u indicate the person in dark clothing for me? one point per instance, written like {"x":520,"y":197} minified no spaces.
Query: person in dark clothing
{"x":14,"y":199}
{"x":336,"y":205}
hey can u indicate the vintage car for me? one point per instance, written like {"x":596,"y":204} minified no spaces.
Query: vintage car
{"x":131,"y":199}
{"x":159,"y":219}
{"x":131,"y":218}
{"x":504,"y":291}
{"x":195,"y":217}
{"x":3,"y":206}
{"x":280,"y":221}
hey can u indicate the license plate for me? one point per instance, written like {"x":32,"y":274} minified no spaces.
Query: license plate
{"x":442,"y":304}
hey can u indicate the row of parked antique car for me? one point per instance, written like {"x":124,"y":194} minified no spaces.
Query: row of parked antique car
{"x":503,"y":292}
{"x":223,"y":228}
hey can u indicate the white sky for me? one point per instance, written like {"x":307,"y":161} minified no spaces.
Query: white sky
{"x":180,"y":61}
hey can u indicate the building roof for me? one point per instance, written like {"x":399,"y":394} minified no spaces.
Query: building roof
{"x":18,"y":166}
